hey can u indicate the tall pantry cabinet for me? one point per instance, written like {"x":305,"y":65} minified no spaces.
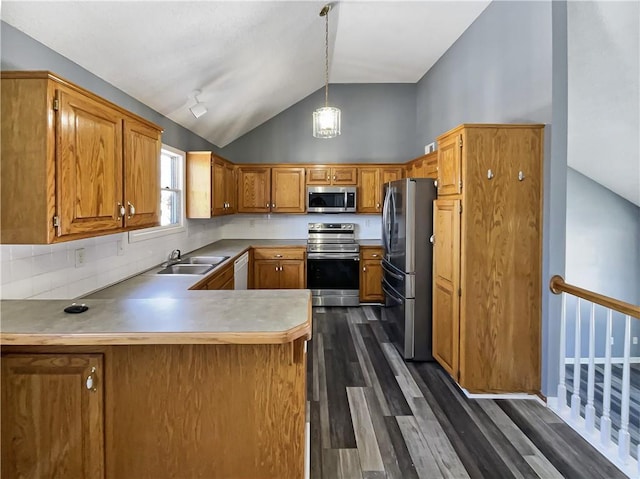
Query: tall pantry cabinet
{"x":487,"y":257}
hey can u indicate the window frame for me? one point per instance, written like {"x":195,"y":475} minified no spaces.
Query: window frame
{"x":181,"y":226}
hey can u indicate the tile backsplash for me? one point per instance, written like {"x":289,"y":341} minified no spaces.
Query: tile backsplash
{"x":49,"y":271}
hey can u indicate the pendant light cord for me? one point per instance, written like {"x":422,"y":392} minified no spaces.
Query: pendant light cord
{"x":326,"y":58}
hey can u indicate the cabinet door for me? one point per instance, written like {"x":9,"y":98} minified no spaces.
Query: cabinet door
{"x":449,"y":165}
{"x":218,"y":188}
{"x":320,"y":175}
{"x":254,"y":189}
{"x":344,"y":175}
{"x":266,"y":274}
{"x":287,"y":190}
{"x":89,"y":171}
{"x":230,"y":188}
{"x":446,"y":284}
{"x":371,"y":281}
{"x":390,"y":173}
{"x":369,"y":190}
{"x":141,"y":174}
{"x":292,"y":274}
{"x":52,"y":425}
{"x":199,"y":184}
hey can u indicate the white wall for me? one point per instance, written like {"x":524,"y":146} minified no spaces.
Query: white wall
{"x":49,"y":272}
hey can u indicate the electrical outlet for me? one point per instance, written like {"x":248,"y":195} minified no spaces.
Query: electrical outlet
{"x":120,"y":246}
{"x":79,"y":257}
{"x":635,"y":340}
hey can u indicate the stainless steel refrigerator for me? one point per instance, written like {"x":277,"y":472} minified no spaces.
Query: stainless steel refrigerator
{"x":407,"y":226}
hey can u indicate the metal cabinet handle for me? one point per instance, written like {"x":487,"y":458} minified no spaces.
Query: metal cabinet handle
{"x":121,"y":210}
{"x":490,"y":174}
{"x":273,"y":205}
{"x":520,"y":176}
{"x":328,"y":178}
{"x":435,"y":183}
{"x":364,"y":269}
{"x":277,"y":269}
{"x":132,"y":209}
{"x":374,"y":255}
{"x":378,"y":205}
{"x":335,"y":177}
{"x":278,"y":256}
{"x":432,"y":239}
{"x":281,"y":268}
{"x":92,"y":380}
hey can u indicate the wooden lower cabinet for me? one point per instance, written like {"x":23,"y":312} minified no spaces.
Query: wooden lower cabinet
{"x":52,"y":417}
{"x":168,"y":411}
{"x":371,"y":274}
{"x":279,"y":268}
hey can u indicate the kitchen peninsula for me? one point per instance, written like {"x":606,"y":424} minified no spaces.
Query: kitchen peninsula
{"x":188,"y":384}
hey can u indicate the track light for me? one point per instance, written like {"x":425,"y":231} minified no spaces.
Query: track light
{"x":198,"y":109}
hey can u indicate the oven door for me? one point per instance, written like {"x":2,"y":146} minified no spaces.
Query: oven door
{"x":397,"y":320}
{"x":336,"y":271}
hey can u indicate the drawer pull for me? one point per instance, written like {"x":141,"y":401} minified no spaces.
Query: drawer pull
{"x":92,"y":380}
{"x":278,"y":256}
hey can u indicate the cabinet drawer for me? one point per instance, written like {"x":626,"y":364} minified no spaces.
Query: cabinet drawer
{"x":278,"y":253}
{"x":371,"y":253}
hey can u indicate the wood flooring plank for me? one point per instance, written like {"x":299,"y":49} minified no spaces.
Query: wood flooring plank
{"x":385,"y":444}
{"x":374,"y":475}
{"x":369,"y":373}
{"x":405,"y":462}
{"x":543,"y":467}
{"x":370,"y":458}
{"x":519,"y":440}
{"x":395,"y":398}
{"x":323,"y":395}
{"x":349,"y":464}
{"x":340,"y":425}
{"x":423,"y":459}
{"x":330,"y":464}
{"x":372,"y":313}
{"x":407,"y":384}
{"x":315,"y":450}
{"x":436,"y":439}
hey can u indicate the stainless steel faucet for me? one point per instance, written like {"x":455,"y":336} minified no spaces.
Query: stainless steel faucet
{"x":174,"y":257}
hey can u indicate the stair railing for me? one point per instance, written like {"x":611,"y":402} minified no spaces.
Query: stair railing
{"x":594,"y":419}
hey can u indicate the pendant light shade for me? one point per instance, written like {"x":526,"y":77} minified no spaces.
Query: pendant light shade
{"x":326,"y":120}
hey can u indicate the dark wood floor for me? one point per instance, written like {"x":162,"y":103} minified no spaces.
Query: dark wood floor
{"x":374,"y":416}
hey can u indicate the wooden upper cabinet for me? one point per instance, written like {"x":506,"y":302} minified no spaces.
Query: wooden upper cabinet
{"x":450,"y":164}
{"x":66,"y":436}
{"x":371,"y":180}
{"x":89,"y":193}
{"x":254,"y":189}
{"x":288,"y":190}
{"x":332,"y":175}
{"x":73,"y":164}
{"x":141,"y":174}
{"x":211,"y":185}
{"x":424,"y":166}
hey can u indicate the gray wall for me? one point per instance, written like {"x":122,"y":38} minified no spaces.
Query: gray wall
{"x":378,"y":125}
{"x":21,"y":52}
{"x":500,"y":71}
{"x":603,"y":255}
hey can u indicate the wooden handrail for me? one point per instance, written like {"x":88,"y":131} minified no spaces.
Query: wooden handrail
{"x":557,"y":286}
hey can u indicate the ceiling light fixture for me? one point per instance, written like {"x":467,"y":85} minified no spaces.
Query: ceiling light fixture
{"x":198,"y":109}
{"x":326,"y":120}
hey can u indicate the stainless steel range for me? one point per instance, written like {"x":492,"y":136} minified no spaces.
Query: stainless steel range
{"x":333,"y":264}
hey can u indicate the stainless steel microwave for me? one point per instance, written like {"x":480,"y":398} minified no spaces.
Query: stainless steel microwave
{"x":331,"y":199}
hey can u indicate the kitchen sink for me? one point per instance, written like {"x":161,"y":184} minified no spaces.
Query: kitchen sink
{"x":187,"y":269}
{"x":213,"y":260}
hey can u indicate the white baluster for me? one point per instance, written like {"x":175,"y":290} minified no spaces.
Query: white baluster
{"x":575,"y":397}
{"x":623,"y":435}
{"x":590,"y":410}
{"x":562,"y":387}
{"x":605,"y":421}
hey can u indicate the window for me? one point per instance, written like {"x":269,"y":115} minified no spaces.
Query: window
{"x":171,"y":196}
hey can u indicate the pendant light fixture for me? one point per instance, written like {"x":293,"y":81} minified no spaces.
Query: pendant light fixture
{"x":326,"y":120}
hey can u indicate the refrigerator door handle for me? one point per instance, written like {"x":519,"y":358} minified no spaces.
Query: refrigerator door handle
{"x":391,"y":273}
{"x":385,"y":221}
{"x":389,"y":294}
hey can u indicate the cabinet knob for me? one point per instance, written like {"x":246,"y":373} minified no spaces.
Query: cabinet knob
{"x":328,"y":178}
{"x":267,"y":205}
{"x":364,"y":269}
{"x":378,"y":205}
{"x":132,"y":209}
{"x":277,"y":269}
{"x":92,"y":380}
{"x":281,"y":268}
{"x":273,"y":205}
{"x":335,"y":177}
{"x":490,"y":174}
{"x":520,"y":176}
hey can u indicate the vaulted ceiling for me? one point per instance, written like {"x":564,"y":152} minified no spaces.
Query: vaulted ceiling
{"x":250,"y":60}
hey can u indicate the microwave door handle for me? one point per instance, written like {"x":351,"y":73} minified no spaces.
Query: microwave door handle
{"x":346,"y":196}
